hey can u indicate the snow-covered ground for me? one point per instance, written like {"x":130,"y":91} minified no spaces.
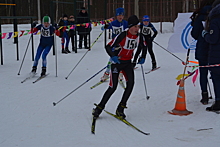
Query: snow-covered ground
{"x":28,"y":117}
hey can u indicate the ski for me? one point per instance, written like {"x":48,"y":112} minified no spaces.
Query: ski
{"x":31,"y":75}
{"x":121,"y":83}
{"x":126,"y":122}
{"x":93,"y":124}
{"x":41,"y":77}
{"x":152,"y":70}
{"x":97,"y":84}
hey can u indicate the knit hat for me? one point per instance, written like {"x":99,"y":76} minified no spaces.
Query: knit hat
{"x":120,"y":11}
{"x":146,"y":18}
{"x":83,"y":8}
{"x":132,"y":21}
{"x":216,"y":2}
{"x":46,"y":19}
{"x":64,"y":15}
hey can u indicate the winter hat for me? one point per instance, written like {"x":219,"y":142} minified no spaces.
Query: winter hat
{"x":132,"y":21}
{"x":216,"y":2}
{"x":46,"y":19}
{"x":83,"y":8}
{"x":64,"y":15}
{"x":120,"y":11}
{"x":146,"y":18}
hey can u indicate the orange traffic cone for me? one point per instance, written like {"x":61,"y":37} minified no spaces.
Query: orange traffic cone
{"x":180,"y":107}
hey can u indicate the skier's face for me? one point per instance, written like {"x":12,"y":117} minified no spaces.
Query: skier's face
{"x":83,"y":11}
{"x":120,"y":17}
{"x":145,"y":23}
{"x":65,"y":18}
{"x":134,"y":29}
{"x":46,"y":24}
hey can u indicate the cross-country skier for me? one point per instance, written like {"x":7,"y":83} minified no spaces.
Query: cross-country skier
{"x":128,"y":40}
{"x":46,"y":41}
{"x":146,"y":30}
{"x":117,"y":26}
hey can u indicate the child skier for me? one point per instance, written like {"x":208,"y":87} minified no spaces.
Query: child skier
{"x":146,"y":31}
{"x":121,"y":60}
{"x":117,"y":26}
{"x":46,"y":41}
{"x":64,"y":33}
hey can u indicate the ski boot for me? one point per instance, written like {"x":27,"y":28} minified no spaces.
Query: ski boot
{"x":43,"y":72}
{"x":120,"y":77}
{"x":97,"y":111}
{"x":34,"y":69}
{"x":154,"y":65}
{"x":205,"y":98}
{"x":105,"y":77}
{"x":214,"y":107}
{"x":67,"y":50}
{"x":120,"y":111}
{"x":64,"y":51}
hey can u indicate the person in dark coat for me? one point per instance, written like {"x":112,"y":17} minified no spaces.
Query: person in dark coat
{"x":83,"y":32}
{"x":202,"y":47}
{"x":72,"y":31}
{"x":212,"y":36}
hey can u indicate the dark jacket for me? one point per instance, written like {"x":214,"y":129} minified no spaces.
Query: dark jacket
{"x":72,"y":31}
{"x":213,"y":35}
{"x":83,"y":18}
{"x":202,"y":47}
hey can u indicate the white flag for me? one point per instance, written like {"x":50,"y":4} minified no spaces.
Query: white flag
{"x":181,"y":40}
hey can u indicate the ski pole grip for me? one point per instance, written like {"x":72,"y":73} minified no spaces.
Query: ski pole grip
{"x":188,"y":51}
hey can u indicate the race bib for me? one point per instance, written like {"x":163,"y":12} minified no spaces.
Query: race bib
{"x":117,"y":30}
{"x":130,"y":43}
{"x":146,"y":30}
{"x":45,"y":32}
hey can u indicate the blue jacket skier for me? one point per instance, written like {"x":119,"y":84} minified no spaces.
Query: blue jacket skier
{"x":46,"y":42}
{"x":149,"y":32}
{"x":117,"y":26}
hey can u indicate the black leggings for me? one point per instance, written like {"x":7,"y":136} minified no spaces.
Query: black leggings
{"x":150,"y":50}
{"x":128,"y":71}
{"x":81,"y":38}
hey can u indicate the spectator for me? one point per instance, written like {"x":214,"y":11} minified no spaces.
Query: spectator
{"x":72,"y":31}
{"x":212,"y":35}
{"x":83,"y":32}
{"x":202,"y":47}
{"x":64,"y":33}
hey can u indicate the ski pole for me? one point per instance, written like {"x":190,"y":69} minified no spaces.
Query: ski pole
{"x":80,"y":86}
{"x":84,"y":54}
{"x":24,"y":56}
{"x":55,"y":46}
{"x":209,"y":91}
{"x":168,"y":51}
{"x":144,"y":82}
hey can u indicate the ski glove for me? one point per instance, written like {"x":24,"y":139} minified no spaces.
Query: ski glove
{"x":115,"y":59}
{"x":204,"y":32}
{"x":102,"y":28}
{"x":141,"y":61}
